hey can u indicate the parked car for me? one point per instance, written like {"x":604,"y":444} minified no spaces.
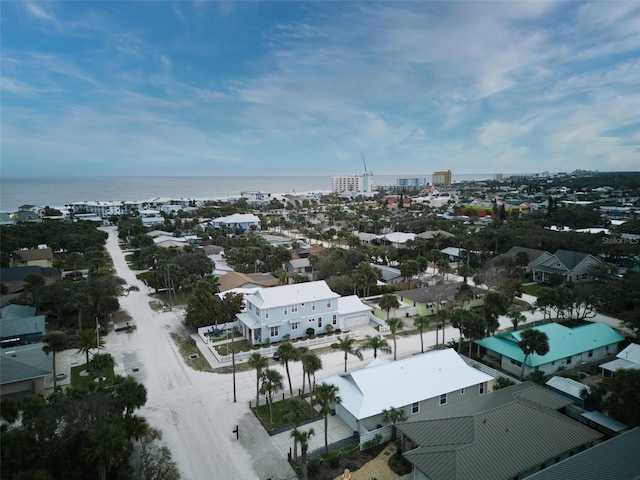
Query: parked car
{"x":75,"y":275}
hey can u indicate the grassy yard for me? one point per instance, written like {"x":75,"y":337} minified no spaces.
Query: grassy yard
{"x":532,"y":289}
{"x":190,"y":353}
{"x":80,"y":381}
{"x":279,"y":412}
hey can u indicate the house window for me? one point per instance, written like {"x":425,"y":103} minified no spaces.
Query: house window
{"x":266,"y":314}
{"x":568,"y":360}
{"x":294,"y":326}
{"x":311,"y":320}
{"x":286,"y":311}
{"x":294,"y":308}
{"x":275,"y":331}
{"x":319,"y":322}
{"x":313,"y":306}
{"x":257,"y":312}
{"x":590,"y":353}
{"x":443,"y":399}
{"x":481,"y":389}
{"x":462,"y":391}
{"x":415,"y":407}
{"x":334,"y":320}
{"x":328,"y":303}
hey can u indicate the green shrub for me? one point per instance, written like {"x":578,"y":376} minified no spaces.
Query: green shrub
{"x":310,"y":331}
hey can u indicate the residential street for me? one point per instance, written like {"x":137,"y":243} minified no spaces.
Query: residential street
{"x":195,"y":410}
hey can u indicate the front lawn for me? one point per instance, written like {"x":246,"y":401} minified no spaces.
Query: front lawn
{"x":532,"y":289}
{"x":280,"y":410}
{"x":81,"y":381}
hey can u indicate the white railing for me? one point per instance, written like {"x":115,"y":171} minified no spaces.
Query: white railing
{"x":488,"y":370}
{"x":271,"y":349}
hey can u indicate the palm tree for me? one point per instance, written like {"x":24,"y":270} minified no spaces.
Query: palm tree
{"x":388,"y":302}
{"x":258,"y":362}
{"x":108,"y":446}
{"x":532,"y":341}
{"x":516,"y":318}
{"x":129,"y":394}
{"x":442,"y":315}
{"x":375,"y":343}
{"x":85,"y":341}
{"x":421,"y":323}
{"x":302,"y":437}
{"x":458,"y":320}
{"x":54,"y":342}
{"x":311,"y":363}
{"x":393,"y":416}
{"x":271,"y":383}
{"x":287,"y":352}
{"x":395,"y":325}
{"x":294,"y":412}
{"x":101,"y":362}
{"x":474,"y":328}
{"x":347,"y":345}
{"x":464,"y":294}
{"x":80,"y":301}
{"x":495,"y":304}
{"x":326,"y":394}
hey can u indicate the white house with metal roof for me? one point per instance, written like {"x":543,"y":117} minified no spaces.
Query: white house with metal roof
{"x":238,"y":221}
{"x":274,"y":312}
{"x":417,"y":384}
{"x":629,"y":358}
{"x":568,"y":348}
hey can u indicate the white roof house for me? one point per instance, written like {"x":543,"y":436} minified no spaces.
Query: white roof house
{"x":288,"y":294}
{"x":294,"y":309}
{"x":629,"y":358}
{"x":418,"y":383}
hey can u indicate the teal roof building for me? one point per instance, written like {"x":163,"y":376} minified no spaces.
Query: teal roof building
{"x":568,"y":348}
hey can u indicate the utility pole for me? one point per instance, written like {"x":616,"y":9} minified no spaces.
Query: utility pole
{"x":233,"y":363}
{"x":168,"y":284}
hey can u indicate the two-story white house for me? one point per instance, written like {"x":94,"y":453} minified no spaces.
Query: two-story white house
{"x":272,"y":313}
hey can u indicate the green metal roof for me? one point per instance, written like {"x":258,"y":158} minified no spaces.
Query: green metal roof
{"x":563,"y":342}
{"x":496,"y":441}
{"x":616,"y":458}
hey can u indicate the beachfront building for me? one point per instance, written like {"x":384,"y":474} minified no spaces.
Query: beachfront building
{"x":441,"y":178}
{"x":256,"y":198}
{"x":296,"y":310}
{"x":418,"y":384}
{"x":356,"y":184}
{"x":412,"y":182}
{"x":101,"y":209}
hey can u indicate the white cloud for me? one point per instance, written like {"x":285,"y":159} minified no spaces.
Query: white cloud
{"x":495,"y":133}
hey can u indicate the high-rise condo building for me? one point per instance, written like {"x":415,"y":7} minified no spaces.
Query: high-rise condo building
{"x":352,"y":183}
{"x":441,"y":178}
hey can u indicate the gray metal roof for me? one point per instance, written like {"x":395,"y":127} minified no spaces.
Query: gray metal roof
{"x":24,"y":363}
{"x":616,"y":458}
{"x":15,"y":327}
{"x":502,"y":437}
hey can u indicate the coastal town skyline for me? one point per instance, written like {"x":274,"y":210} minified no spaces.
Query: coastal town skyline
{"x":310,"y":88}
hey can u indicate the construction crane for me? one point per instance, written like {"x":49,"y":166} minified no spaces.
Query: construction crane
{"x":365,"y":164}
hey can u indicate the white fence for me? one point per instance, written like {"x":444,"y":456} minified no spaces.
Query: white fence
{"x":368,"y":435}
{"x":267,"y":350}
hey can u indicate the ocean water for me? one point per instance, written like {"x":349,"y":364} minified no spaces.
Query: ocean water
{"x":60,"y":191}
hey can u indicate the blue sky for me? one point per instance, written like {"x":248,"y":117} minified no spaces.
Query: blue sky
{"x":295,"y":88}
